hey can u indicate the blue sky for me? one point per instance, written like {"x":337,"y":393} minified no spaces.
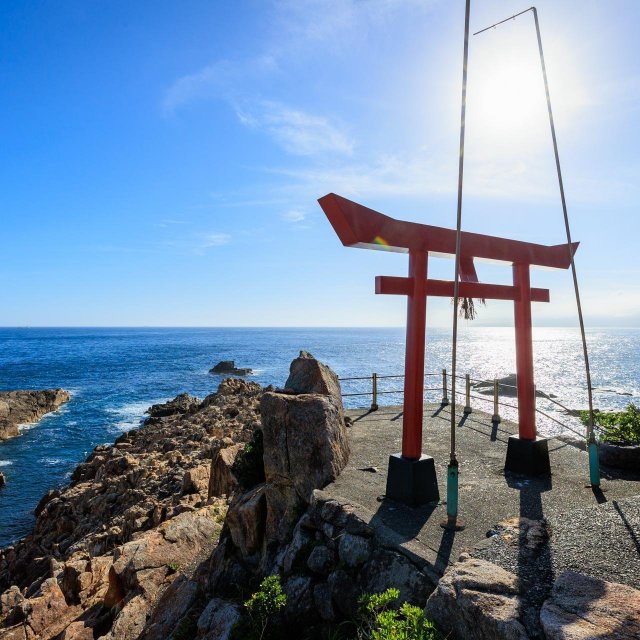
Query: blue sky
{"x":161,"y":161}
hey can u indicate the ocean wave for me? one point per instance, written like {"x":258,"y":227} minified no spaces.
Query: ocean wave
{"x":131,"y":415}
{"x":5,"y":463}
{"x":52,"y":462}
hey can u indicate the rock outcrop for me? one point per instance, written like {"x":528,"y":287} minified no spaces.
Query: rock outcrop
{"x":116,"y":553}
{"x":228,"y":368}
{"x":25,"y":407}
{"x":477,"y":600}
{"x":582,"y":607}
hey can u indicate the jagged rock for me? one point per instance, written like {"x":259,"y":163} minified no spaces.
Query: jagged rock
{"x":477,"y":600}
{"x":308,"y":375}
{"x":170,"y":609}
{"x":582,"y":607}
{"x":222,"y":480}
{"x":321,"y":560}
{"x":23,"y":407}
{"x":78,"y":631}
{"x":323,"y":602}
{"x":196,"y":480}
{"x":354,"y":550}
{"x":181,"y":404}
{"x":47,"y":610}
{"x":344,"y":592}
{"x":246,"y":520}
{"x":218,"y":619}
{"x":300,"y":608}
{"x":229,"y":367}
{"x":305,"y":448}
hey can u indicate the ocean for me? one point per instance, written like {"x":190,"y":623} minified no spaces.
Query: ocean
{"x":114,"y":375}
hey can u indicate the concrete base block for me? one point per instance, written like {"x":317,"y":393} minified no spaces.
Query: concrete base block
{"x":528,"y":457}
{"x":412,"y":482}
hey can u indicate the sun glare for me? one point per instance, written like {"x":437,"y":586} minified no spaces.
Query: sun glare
{"x":506,"y":99}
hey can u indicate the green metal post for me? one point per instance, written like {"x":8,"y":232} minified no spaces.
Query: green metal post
{"x":594,"y":463}
{"x":452,"y":490}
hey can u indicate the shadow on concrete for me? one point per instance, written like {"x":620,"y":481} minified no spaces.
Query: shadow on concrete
{"x":629,"y":527}
{"x":463,"y":419}
{"x":438,"y":411}
{"x":534,"y":565}
{"x":444,"y":550}
{"x":599,"y":495}
{"x":406,"y":521}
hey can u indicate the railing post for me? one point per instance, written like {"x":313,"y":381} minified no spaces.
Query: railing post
{"x":467,"y":395}
{"x":496,"y":410}
{"x":445,"y":397}
{"x":374,"y":392}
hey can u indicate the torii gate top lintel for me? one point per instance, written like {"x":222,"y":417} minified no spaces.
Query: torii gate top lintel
{"x":359,"y":226}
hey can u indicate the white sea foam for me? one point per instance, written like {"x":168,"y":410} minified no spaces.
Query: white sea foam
{"x":5,"y":463}
{"x":130,"y":415}
{"x":51,"y":462}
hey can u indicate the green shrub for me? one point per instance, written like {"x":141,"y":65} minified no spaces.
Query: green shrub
{"x":248,"y":467}
{"x":173,"y":567}
{"x":259,"y":609}
{"x":617,"y":427}
{"x":378,"y":621}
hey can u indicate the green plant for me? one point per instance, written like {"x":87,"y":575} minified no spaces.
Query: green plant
{"x":248,"y":467}
{"x":173,"y":567}
{"x":259,"y":609}
{"x":617,"y":427}
{"x":378,"y":621}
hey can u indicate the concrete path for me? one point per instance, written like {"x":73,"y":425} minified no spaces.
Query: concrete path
{"x":595,"y":533}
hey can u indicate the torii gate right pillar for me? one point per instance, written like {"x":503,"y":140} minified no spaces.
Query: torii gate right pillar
{"x":526,"y":453}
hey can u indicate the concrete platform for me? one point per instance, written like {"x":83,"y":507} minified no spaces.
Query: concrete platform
{"x":595,"y":533}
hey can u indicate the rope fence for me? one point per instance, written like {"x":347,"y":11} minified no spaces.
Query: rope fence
{"x":493,"y":397}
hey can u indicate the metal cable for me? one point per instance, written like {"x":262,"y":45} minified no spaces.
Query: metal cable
{"x":454,"y":345}
{"x":590,"y":426}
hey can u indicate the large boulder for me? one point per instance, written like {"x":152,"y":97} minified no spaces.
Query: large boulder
{"x":308,"y":375}
{"x":305,"y":448}
{"x":222,"y":480}
{"x":582,"y":607}
{"x":477,"y":600}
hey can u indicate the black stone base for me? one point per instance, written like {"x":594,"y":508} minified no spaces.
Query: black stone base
{"x":528,"y":457}
{"x":412,"y":482}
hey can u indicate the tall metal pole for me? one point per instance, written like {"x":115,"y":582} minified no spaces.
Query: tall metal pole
{"x":594,"y":467}
{"x":453,"y":470}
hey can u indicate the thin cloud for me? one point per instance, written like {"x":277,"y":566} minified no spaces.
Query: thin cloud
{"x":296,"y":131}
{"x":294,"y":215}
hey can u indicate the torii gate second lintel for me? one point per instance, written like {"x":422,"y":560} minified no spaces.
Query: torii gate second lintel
{"x":358,"y":226}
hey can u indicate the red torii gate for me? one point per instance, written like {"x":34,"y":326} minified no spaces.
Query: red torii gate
{"x":359,"y":226}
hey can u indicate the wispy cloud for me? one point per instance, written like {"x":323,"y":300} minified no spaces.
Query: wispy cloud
{"x":294,"y":215}
{"x":220,"y":80}
{"x":169,"y":222}
{"x":296,"y":131}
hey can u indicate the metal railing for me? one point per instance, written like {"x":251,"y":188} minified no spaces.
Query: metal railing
{"x":495,"y":398}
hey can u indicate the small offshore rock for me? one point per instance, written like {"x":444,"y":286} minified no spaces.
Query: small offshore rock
{"x":228,"y":367}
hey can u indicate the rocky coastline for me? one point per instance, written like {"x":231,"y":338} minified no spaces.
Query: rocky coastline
{"x":164,"y":534}
{"x":26,"y":407}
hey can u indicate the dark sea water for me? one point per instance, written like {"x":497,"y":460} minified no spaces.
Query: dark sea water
{"x":113,"y":376}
